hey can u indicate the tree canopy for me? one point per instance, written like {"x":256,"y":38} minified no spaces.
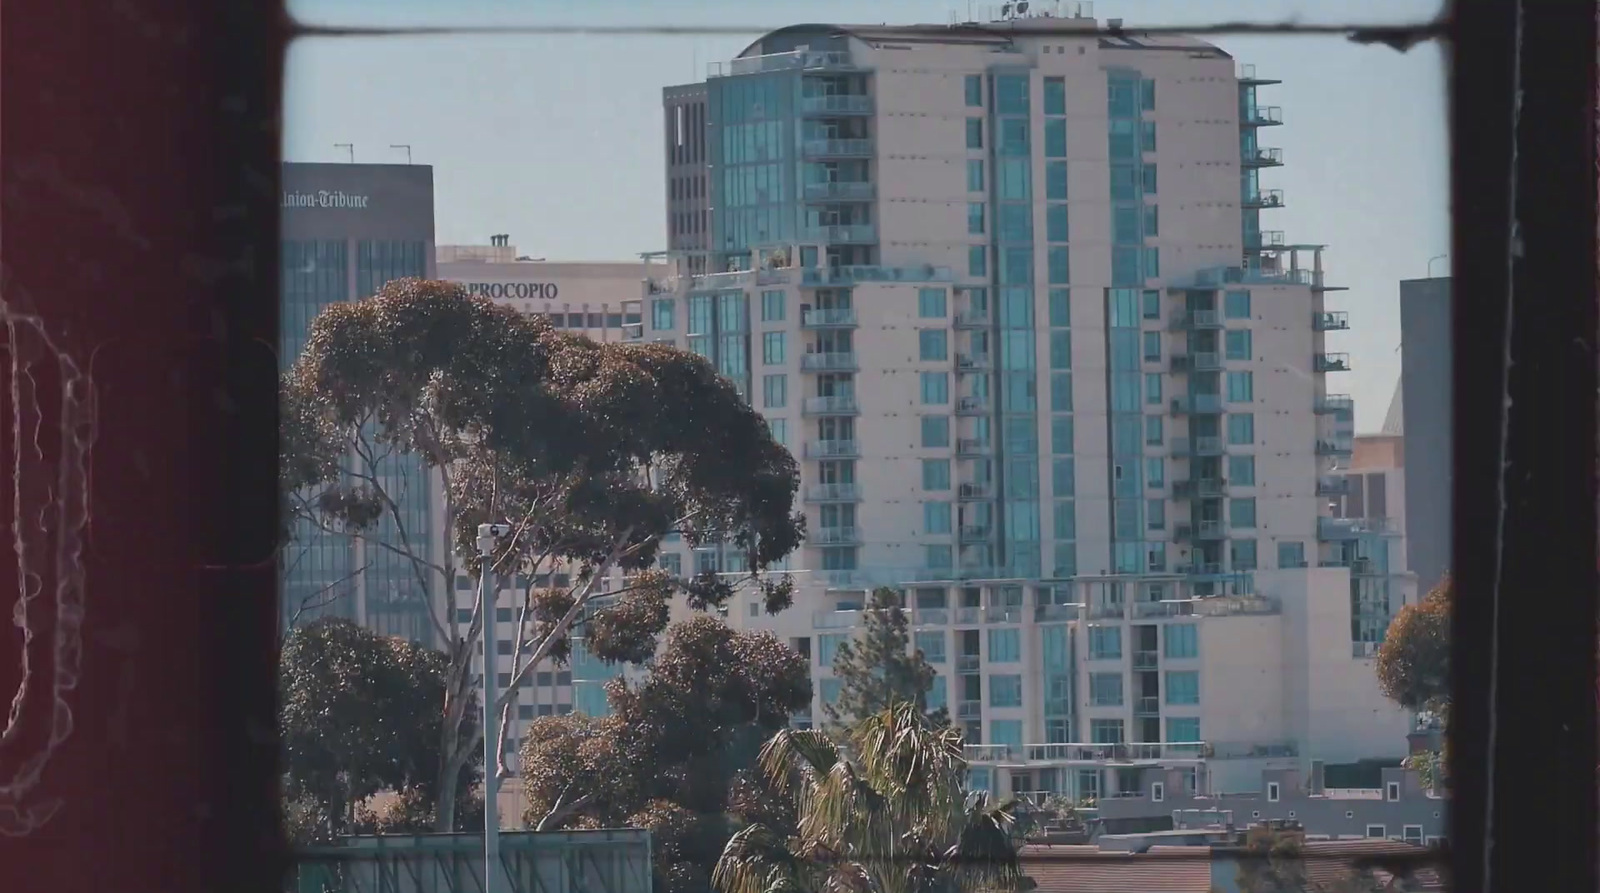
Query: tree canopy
{"x":1414,"y":662}
{"x":591,"y":452}
{"x":884,"y":810}
{"x":676,"y":751}
{"x":876,"y":668}
{"x":359,"y":715}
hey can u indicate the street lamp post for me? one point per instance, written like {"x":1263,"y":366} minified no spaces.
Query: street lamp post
{"x":1434,"y":258}
{"x":488,"y":598}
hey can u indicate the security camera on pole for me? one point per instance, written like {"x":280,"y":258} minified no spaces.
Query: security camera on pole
{"x":488,"y":598}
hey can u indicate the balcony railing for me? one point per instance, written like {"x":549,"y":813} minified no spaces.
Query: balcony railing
{"x":806,"y":60}
{"x":1197,"y":446}
{"x":1261,"y":116}
{"x":1238,"y":605}
{"x":835,"y":536}
{"x":1190,"y":362}
{"x":850,"y":274}
{"x":1335,"y":448}
{"x":832,"y":449}
{"x":1197,"y":403}
{"x":1351,"y":528}
{"x":835,"y":619}
{"x":838,"y":191}
{"x":1143,"y":610}
{"x":1056,"y":612}
{"x":1107,"y":610}
{"x":1335,"y":485}
{"x":969,"y":709}
{"x":1264,"y":198}
{"x":1003,"y":614}
{"x":841,"y":104}
{"x":1198,"y":531}
{"x":1262,"y":158}
{"x":1267,"y":238}
{"x":991,"y":753}
{"x":1200,"y":568}
{"x":829,"y":362}
{"x":975,"y":533}
{"x":1330,"y":321}
{"x":1331,"y":404}
{"x":1116,"y":753}
{"x":967,"y":661}
{"x":965,"y":615}
{"x":837,"y":404}
{"x":843,"y":148}
{"x":973,"y":362}
{"x":1196,"y":319}
{"x":1200,"y":488}
{"x":930,"y":617}
{"x":973,"y":406}
{"x":1331,"y":362}
{"x":1145,"y":660}
{"x":841,"y":234}
{"x":972,"y":446}
{"x":829,"y":318}
{"x":972,"y":318}
{"x":975,"y":491}
{"x":833,"y":493}
{"x":1147,"y":707}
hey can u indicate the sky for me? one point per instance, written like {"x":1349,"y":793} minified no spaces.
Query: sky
{"x":555,"y":138}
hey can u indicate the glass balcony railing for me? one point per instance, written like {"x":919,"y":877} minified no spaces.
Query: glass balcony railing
{"x":838,"y":191}
{"x":829,"y":318}
{"x":972,"y":318}
{"x":974,"y":362}
{"x":975,"y":491}
{"x":1003,"y":614}
{"x":1216,"y":276}
{"x":1335,"y":447}
{"x":805,"y":60}
{"x":835,"y":536}
{"x":1331,"y":362}
{"x":1187,"y":531}
{"x":1197,"y":446}
{"x":1264,"y":239}
{"x":967,"y":661}
{"x":931,"y":617}
{"x":1334,"y":404}
{"x":856,"y":273}
{"x":841,"y":234}
{"x":1263,"y":199}
{"x":1261,"y":116}
{"x":1333,"y":485}
{"x":839,"y":104}
{"x":833,"y":493}
{"x":1262,"y":158}
{"x":973,"y":446}
{"x":1196,"y":319}
{"x":1145,"y":660}
{"x":1147,"y":706}
{"x":1351,"y":528}
{"x":1192,"y":362}
{"x":973,"y":406}
{"x":832,"y":449}
{"x":1330,"y":321}
{"x":837,"y":148}
{"x":829,"y":362}
{"x":1198,"y":488}
{"x":1188,"y":404}
{"x":975,"y":533}
{"x":838,"y":404}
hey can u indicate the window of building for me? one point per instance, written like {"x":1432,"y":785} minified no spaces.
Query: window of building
{"x":975,"y":218}
{"x":1147,"y":95}
{"x":772,"y":348}
{"x":1055,"y":222}
{"x":1005,"y":646}
{"x":774,"y":391}
{"x":1055,"y":181}
{"x":974,"y":133}
{"x":974,"y":90}
{"x":1155,"y":473}
{"x":931,"y":643}
{"x":1155,"y":512}
{"x":772,"y":306}
{"x":1059,"y":260}
{"x":1105,"y":689}
{"x":1061,"y":432}
{"x":935,"y":431}
{"x":1242,"y":512}
{"x":1151,"y":258}
{"x":1152,"y":430}
{"x":937,"y":557}
{"x":1055,"y":96}
{"x":1181,"y":640}
{"x":671,"y":562}
{"x":1005,"y":690}
{"x":1061,"y":392}
{"x":1105,"y":642}
{"x":1273,"y":792}
{"x":1183,"y":730}
{"x":1011,"y":94}
{"x":1183,"y":687}
{"x":780,"y":431}
{"x":1241,"y":387}
{"x":935,"y":474}
{"x":1057,"y":731}
{"x":975,"y":175}
{"x":935,"y":387}
{"x":1377,"y":832}
{"x":1062,"y":478}
{"x":1060,"y":307}
{"x":1392,"y":791}
{"x":1242,"y":554}
{"x":1291,"y":555}
{"x":1241,"y":428}
{"x":1124,"y":183}
{"x":1236,"y":344}
{"x":1007,"y":732}
{"x":1055,"y":138}
{"x":1066,"y":520}
{"x":1105,"y":731}
{"x":933,"y":345}
{"x":978,"y":260}
{"x":1147,"y":136}
{"x":1152,"y":346}
{"x":1061,"y":349}
{"x":661,"y":314}
{"x":1065,"y":557}
{"x":936,"y":517}
{"x":1147,"y":178}
{"x":1236,"y":305}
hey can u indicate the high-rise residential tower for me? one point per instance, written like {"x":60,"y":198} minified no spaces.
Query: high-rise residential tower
{"x":1004,"y":291}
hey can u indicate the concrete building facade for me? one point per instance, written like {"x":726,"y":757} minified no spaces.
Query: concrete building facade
{"x":1425,"y":419}
{"x":1004,"y":291}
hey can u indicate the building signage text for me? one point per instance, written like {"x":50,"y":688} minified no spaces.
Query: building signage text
{"x":542,"y":290}
{"x":324,"y":198}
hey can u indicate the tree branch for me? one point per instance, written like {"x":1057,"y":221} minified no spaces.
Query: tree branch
{"x":305,"y":603}
{"x":562,"y":809}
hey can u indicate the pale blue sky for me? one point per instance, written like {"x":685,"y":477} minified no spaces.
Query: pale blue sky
{"x":556,"y":139}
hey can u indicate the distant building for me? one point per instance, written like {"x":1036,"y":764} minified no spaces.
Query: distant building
{"x":1422,"y":414}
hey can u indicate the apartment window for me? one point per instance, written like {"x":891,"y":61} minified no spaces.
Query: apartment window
{"x":1124,"y":183}
{"x":1242,"y":512}
{"x":671,"y":562}
{"x":1241,"y":387}
{"x":1152,"y":304}
{"x":1242,"y":471}
{"x":1236,"y":344}
{"x":1105,"y":731}
{"x":1147,"y":95}
{"x":828,"y":645}
{"x":1183,"y":730}
{"x":1392,"y":791}
{"x":1011,"y":94}
{"x":1377,"y":832}
{"x":1411,"y":834}
{"x":1060,"y":307}
{"x":829,"y":690}
{"x":502,"y":680}
{"x":1152,"y":388}
{"x":1236,"y":305}
{"x":974,"y":88}
{"x":934,"y":345}
{"x":1241,"y":428}
{"x":1155,"y":473}
{"x":1066,"y":559}
{"x":1005,"y":646}
{"x":1013,"y":137}
{"x":1055,"y":138}
{"x":1147,"y":136}
{"x":936,"y":517}
{"x":931,"y":644}
{"x":1055,"y":222}
{"x":974,"y":133}
{"x":1183,"y":687}
{"x":978,"y":261}
{"x":1152,"y":430}
{"x":975,"y":218}
{"x":1105,"y":689}
{"x":1061,"y":431}
{"x":1151,"y":258}
{"x":772,"y":348}
{"x":1055,"y":181}
{"x":772,"y":306}
{"x":937,"y":557}
{"x":1291,"y":555}
{"x":1061,"y":349}
{"x":935,"y":474}
{"x":1005,"y":690}
{"x":780,"y":431}
{"x":1062,"y":478}
{"x":1061,"y":391}
{"x":1055,"y":96}
{"x":935,"y":388}
{"x":1060,"y":265}
{"x":1152,"y":346}
{"x":1181,"y":640}
{"x":1155,"y":513}
{"x":661,"y":314}
{"x":935,"y":431}
{"x":1147,"y":178}
{"x":1066,"y":520}
{"x":1242,"y":554}
{"x":1152,"y":221}
{"x":1273,"y":792}
{"x":975,"y":175}
{"x":774,"y":391}
{"x":1105,"y":642}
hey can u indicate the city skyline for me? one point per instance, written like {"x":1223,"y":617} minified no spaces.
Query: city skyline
{"x":601,"y":168}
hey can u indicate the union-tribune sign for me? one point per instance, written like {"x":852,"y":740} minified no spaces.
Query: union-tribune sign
{"x":324,"y":198}
{"x":542,"y":290}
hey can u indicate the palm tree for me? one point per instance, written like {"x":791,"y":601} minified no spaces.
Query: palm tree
{"x":883,"y":811}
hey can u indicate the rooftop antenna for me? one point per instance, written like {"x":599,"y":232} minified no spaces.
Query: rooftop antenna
{"x":404,"y":146}
{"x":349,"y":147}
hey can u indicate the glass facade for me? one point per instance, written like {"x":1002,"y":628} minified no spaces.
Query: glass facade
{"x":752,"y":155}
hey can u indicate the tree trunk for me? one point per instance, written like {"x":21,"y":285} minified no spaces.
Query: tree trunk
{"x":453,"y":755}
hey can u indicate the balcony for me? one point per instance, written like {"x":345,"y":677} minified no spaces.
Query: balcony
{"x":828,"y":318}
{"x":1263,"y":240}
{"x":850,"y":274}
{"x":843,"y":361}
{"x":1201,"y":404}
{"x":835,"y":536}
{"x":975,"y":492}
{"x":838,"y":404}
{"x":1263,"y":199}
{"x":1196,"y":319}
{"x":1058,"y":707}
{"x":1335,"y":485}
{"x":991,"y":753}
{"x":841,"y":234}
{"x":837,"y":104}
{"x":1331,"y":321}
{"x":856,"y":148}
{"x":1352,"y":528}
{"x":832,"y":449}
{"x":966,"y":616}
{"x":930,"y":617}
{"x":1145,"y":660}
{"x":839,"y":191}
{"x":973,"y":318}
{"x":1261,"y":116}
{"x":1003,"y":614}
{"x":1201,"y":531}
{"x":1335,"y":404}
{"x":973,"y":406}
{"x":1145,"y":610}
{"x":1196,"y":446}
{"x":835,"y":619}
{"x":1248,"y":77}
{"x":1198,"y":488}
{"x":975,"y":533}
{"x":1147,"y":707}
{"x":967,"y":662}
{"x":1335,"y":448}
{"x":1262,"y":158}
{"x":833,"y":493}
{"x":1056,"y":612}
{"x":969,"y":710}
{"x":1139,"y":752}
{"x":1331,"y":362}
{"x":1196,"y":362}
{"x":805,"y":60}
{"x":976,"y":362}
{"x":1108,"y":611}
{"x":973,"y":447}
{"x":1200,"y":568}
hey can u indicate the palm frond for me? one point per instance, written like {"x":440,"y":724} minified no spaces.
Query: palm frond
{"x":793,"y":755}
{"x":758,"y":860}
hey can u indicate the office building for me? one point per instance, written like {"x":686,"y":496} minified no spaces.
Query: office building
{"x":1003,"y":289}
{"x":346,"y":230}
{"x":1424,"y":419}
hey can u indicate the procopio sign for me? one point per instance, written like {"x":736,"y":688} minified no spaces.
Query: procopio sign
{"x":546,"y":291}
